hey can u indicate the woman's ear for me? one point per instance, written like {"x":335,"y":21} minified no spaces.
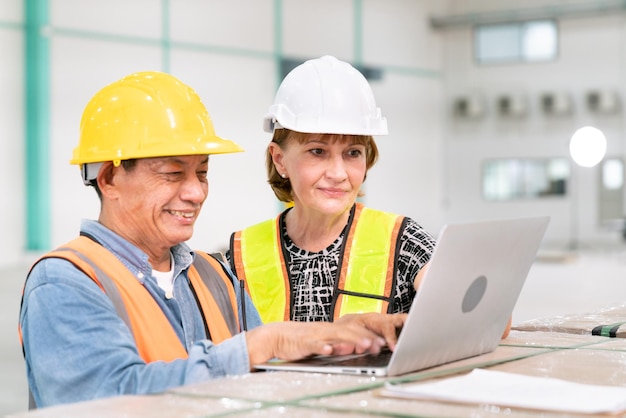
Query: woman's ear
{"x":277,"y":156}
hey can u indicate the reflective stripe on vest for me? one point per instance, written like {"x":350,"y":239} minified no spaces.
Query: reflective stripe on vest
{"x":258,"y":261}
{"x":216,"y":294}
{"x":367,"y":272}
{"x":366,"y":281}
{"x":154,"y":335}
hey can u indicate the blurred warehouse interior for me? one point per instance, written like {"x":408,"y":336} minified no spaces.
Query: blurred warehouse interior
{"x":482,"y":99}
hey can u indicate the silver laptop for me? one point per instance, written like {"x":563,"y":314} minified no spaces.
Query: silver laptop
{"x":463,"y":305}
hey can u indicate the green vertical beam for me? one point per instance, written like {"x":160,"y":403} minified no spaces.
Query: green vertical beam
{"x":278,"y":57}
{"x":165,"y":36}
{"x":37,"y":125}
{"x":358,"y":32}
{"x":358,"y":55}
{"x":278,"y":39}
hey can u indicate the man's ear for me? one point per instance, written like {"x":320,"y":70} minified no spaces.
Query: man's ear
{"x":106,"y":178}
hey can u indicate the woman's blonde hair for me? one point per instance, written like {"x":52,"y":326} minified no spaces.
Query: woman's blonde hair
{"x":282,"y":186}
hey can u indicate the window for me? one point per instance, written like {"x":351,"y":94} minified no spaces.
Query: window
{"x":514,"y":178}
{"x":611,"y":208}
{"x":613,"y":174}
{"x":516,"y":42}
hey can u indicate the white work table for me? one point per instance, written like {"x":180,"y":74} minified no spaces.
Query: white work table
{"x":572,"y":356}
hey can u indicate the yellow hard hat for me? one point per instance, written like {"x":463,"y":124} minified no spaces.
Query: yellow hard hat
{"x":143,"y":115}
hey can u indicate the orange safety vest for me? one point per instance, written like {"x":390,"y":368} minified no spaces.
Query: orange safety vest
{"x":154,"y":335}
{"x":367,"y":265}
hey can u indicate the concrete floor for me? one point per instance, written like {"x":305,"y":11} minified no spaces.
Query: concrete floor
{"x":13,"y":387}
{"x":557,"y":284}
{"x":560,"y":284}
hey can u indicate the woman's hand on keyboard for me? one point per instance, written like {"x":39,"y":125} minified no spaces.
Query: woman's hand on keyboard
{"x":387,"y":326}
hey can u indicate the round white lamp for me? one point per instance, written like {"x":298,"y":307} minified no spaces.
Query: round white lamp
{"x":587,"y":146}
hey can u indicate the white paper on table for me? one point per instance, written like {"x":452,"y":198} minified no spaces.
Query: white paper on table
{"x":516,"y":390}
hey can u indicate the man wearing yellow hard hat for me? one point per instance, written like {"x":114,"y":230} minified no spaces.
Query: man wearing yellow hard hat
{"x":128,"y":307}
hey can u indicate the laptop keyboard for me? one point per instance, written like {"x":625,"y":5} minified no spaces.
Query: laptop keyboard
{"x":355,"y":360}
{"x":366,"y":360}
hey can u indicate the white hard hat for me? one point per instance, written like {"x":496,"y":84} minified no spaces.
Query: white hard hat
{"x":325,"y":95}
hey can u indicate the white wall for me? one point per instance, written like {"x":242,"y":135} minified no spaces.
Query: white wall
{"x":591,"y":56}
{"x":430,"y":163}
{"x":12,"y":212}
{"x":230,"y":58}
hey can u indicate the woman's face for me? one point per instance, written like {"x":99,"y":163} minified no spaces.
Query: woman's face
{"x":326,"y":171}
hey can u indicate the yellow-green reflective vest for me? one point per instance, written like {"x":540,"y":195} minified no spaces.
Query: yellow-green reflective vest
{"x":366,"y":279}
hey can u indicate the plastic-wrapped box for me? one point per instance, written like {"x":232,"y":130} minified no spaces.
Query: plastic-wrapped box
{"x":607,"y":322}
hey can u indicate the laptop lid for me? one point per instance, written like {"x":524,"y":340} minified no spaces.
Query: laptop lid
{"x":464,"y":302}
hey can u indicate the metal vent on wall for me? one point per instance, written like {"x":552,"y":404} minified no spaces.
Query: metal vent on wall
{"x":603,"y":101}
{"x":556,"y":104}
{"x":470,"y":107}
{"x":515,"y":106}
{"x":369,"y":72}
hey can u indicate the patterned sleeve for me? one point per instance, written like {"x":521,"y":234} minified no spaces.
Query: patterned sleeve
{"x":416,"y":247}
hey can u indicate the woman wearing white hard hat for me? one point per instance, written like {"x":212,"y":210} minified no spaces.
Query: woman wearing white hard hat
{"x":327,"y":255}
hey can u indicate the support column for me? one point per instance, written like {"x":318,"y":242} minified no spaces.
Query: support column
{"x":37,"y":125}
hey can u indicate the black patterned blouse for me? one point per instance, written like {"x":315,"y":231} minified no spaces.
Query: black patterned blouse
{"x":313,"y":274}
